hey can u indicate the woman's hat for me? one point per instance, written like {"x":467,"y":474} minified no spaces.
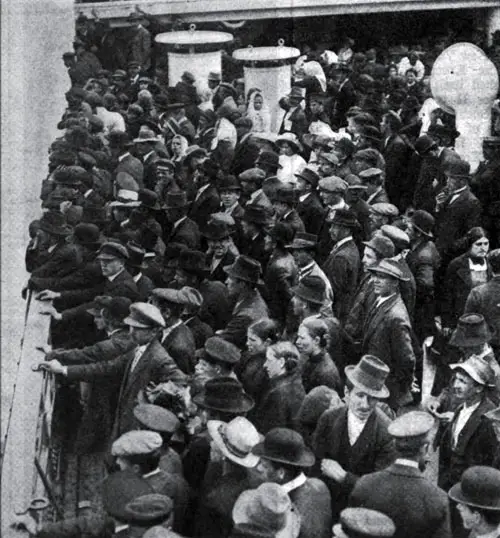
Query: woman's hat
{"x":312,"y":289}
{"x":236,"y":439}
{"x":268,"y":507}
{"x":472,"y":330}
{"x":285,"y":446}
{"x":479,"y":487}
{"x":244,"y":268}
{"x":290,"y":138}
{"x":369,"y":375}
{"x":224,"y":394}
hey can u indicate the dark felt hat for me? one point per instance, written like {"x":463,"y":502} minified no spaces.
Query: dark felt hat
{"x":176,"y":200}
{"x":345,"y":218}
{"x":87,"y":234}
{"x":54,"y":223}
{"x":286,"y":194}
{"x":309,"y":175}
{"x":245,"y":268}
{"x":135,"y":255}
{"x":149,"y":199}
{"x":472,"y":330}
{"x":423,"y":222}
{"x":457,"y":169}
{"x":283,"y":445}
{"x":256,"y":214}
{"x":228,"y":183}
{"x":303,"y":240}
{"x":269,"y":158}
{"x":224,"y":394}
{"x":193,"y":261}
{"x":424,"y":144}
{"x":216,"y":230}
{"x":479,"y":487}
{"x":312,"y":289}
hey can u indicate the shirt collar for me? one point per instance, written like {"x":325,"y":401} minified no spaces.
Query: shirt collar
{"x":304,"y":197}
{"x":137,"y":277}
{"x":121,"y":157}
{"x":114,"y":331}
{"x":306,"y":268}
{"x":168,"y":330}
{"x":177,"y":222}
{"x":382,"y":300}
{"x":343,"y":241}
{"x":120,"y":528}
{"x":295,"y":483}
{"x":145,"y":158}
{"x":112,"y":277}
{"x":151,"y":473}
{"x":52,"y":248}
{"x":406,"y":463}
{"x":458,"y":191}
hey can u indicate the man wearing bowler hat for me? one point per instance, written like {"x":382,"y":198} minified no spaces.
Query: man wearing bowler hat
{"x":145,"y":365}
{"x":309,"y":206}
{"x":416,"y":505}
{"x":256,"y":220}
{"x":387,"y":331}
{"x":343,"y":263}
{"x":352,"y":440}
{"x":284,"y":459}
{"x":284,"y":206}
{"x":220,"y":253}
{"x":182,"y":229}
{"x":242,"y":279}
{"x":423,"y":261}
{"x":477,"y":497}
{"x":457,"y":210}
{"x":485,"y":300}
{"x":468,"y":439}
{"x":135,"y":265}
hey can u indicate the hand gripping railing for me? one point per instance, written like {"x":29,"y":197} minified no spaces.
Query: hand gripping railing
{"x":28,"y":467}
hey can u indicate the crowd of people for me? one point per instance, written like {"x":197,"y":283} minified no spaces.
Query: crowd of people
{"x":238,"y":317}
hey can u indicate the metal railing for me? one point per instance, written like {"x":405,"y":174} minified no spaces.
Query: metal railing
{"x":30,"y":469}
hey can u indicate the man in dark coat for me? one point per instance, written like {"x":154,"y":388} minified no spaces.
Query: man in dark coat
{"x":397,"y":155}
{"x":468,"y":439}
{"x":206,"y":200}
{"x":246,"y":150}
{"x":309,"y":206}
{"x":186,"y":92}
{"x":283,"y":460}
{"x":177,"y":339}
{"x":253,"y":241}
{"x":147,"y":363}
{"x":343,"y":263}
{"x":135,"y":265}
{"x":345,"y":95}
{"x":182,"y":228}
{"x":295,"y":120}
{"x":243,"y":276}
{"x":352,"y":440}
{"x":423,"y":261}
{"x":144,"y":148}
{"x":125,"y":162}
{"x":458,"y":210}
{"x":416,"y":505}
{"x":284,"y":204}
{"x":387,"y":332}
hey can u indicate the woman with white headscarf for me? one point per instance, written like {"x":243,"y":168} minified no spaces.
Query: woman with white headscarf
{"x":258,"y":112}
{"x":314,"y":81}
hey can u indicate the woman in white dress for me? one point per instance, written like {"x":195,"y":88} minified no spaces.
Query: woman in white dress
{"x":258,"y":112}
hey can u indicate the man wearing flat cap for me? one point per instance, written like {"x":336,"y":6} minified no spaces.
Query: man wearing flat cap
{"x":468,"y":439}
{"x":416,"y":505}
{"x":457,"y":210}
{"x":147,"y":363}
{"x":373,"y":178}
{"x":352,"y":440}
{"x":343,"y":263}
{"x":477,"y":496}
{"x":139,"y":451}
{"x":357,"y":522}
{"x":387,"y":332}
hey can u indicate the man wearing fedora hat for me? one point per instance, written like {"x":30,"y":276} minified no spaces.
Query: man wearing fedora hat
{"x":485,"y":300}
{"x":284,"y":459}
{"x":227,"y":475}
{"x":352,"y":440}
{"x":255,"y":224}
{"x":423,"y":261}
{"x":145,"y":364}
{"x":467,"y":439}
{"x":295,"y":120}
{"x":220,"y":249}
{"x":345,"y":95}
{"x":242,"y":279}
{"x":181,"y":228}
{"x":206,"y":200}
{"x":135,"y":265}
{"x":342,"y":264}
{"x":145,"y":146}
{"x":387,"y":331}
{"x":457,"y":210}
{"x":309,"y":206}
{"x":284,"y":206}
{"x":119,"y":143}
{"x":476,"y":495}
{"x":230,"y":191}
{"x":176,"y":338}
{"x":416,"y":505}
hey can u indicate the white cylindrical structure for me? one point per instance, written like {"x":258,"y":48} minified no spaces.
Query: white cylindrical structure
{"x":270,"y":70}
{"x":492,"y":23}
{"x":465,"y":80}
{"x":198,"y":52}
